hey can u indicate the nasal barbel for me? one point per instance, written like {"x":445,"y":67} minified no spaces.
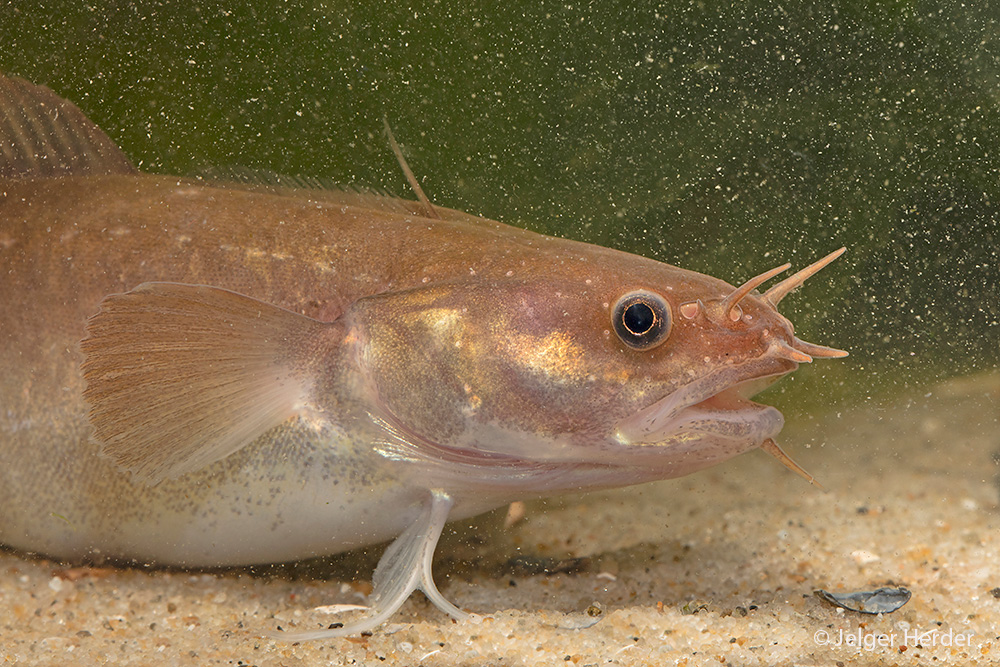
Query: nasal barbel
{"x":799,"y":350}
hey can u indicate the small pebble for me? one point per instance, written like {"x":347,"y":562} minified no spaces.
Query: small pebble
{"x":864,"y":557}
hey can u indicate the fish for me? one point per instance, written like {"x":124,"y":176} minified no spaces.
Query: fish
{"x":202,"y":373}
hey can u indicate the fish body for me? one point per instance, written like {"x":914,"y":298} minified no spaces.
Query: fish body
{"x":70,"y":242}
{"x":205,"y":374}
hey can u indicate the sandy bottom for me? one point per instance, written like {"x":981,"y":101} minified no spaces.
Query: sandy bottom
{"x":719,"y":567}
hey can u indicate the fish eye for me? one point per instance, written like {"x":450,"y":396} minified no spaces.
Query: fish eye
{"x":641,"y":320}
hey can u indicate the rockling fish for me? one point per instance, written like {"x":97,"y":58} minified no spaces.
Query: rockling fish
{"x":206,"y":374}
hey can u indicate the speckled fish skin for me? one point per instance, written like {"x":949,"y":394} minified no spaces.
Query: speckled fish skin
{"x":69,"y":242}
{"x":462,"y":356}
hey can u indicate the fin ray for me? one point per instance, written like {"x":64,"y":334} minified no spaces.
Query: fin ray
{"x":430,"y":212}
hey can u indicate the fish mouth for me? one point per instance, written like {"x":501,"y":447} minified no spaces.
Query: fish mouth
{"x":712,"y":418}
{"x":716,"y":405}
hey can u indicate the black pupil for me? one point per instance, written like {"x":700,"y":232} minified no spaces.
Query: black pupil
{"x":639,"y":318}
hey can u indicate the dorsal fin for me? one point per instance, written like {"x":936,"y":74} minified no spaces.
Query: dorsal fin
{"x":317,"y":189}
{"x":324,"y":190}
{"x":43,"y":135}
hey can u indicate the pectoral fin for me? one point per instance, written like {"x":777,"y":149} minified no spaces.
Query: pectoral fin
{"x":180,"y":376}
{"x":405,"y":567}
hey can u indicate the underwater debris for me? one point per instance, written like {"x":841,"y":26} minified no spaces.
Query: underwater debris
{"x":883,"y":600}
{"x":581,"y":621}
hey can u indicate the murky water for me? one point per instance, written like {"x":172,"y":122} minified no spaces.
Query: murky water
{"x":726,"y":140}
{"x":722,"y":139}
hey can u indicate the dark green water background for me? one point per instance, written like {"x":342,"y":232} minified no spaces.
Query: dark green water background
{"x":726,"y":138}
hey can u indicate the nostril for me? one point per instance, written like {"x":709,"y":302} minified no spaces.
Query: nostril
{"x":690,"y":309}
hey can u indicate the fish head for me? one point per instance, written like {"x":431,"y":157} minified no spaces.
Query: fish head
{"x":647,"y":368}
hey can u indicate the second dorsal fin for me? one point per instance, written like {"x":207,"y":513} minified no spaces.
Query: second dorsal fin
{"x":43,"y":135}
